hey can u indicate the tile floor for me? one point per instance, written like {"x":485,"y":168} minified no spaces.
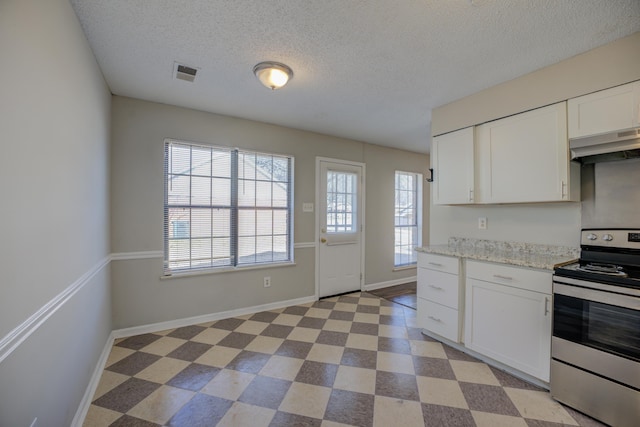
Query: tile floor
{"x":351,"y":360}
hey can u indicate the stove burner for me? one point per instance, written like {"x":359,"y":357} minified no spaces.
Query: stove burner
{"x":608,"y":269}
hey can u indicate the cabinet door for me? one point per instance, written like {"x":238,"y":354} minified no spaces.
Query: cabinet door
{"x":452,"y":161}
{"x":510,"y":325}
{"x":605,"y":111}
{"x":525,"y":158}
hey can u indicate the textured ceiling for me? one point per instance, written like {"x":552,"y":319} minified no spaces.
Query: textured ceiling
{"x":370,"y":70}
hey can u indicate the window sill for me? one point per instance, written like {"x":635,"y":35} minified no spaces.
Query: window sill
{"x":405,"y":267}
{"x":184,"y":274}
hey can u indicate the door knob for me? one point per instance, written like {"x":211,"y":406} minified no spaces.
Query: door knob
{"x":323,"y":240}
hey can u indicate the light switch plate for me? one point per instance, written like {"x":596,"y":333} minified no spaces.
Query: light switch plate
{"x":482,"y":223}
{"x":307,"y":207}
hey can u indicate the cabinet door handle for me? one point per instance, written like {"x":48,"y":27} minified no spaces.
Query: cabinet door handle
{"x":435,"y":287}
{"x":564,"y":189}
{"x":499,"y":276}
{"x":435,"y":264}
{"x":471,"y":194}
{"x":435,"y":319}
{"x":546,"y":306}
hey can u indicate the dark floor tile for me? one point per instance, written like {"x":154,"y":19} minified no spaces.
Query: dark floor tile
{"x":397,"y":386}
{"x":364,"y":328}
{"x":127,"y":395}
{"x":508,"y":380}
{"x":394,"y":345}
{"x":284,"y":419}
{"x":249,"y":362}
{"x":201,"y":411}
{"x":359,"y":358}
{"x":189,"y":351}
{"x":236,"y":340}
{"x":133,"y":363}
{"x":298,"y":310}
{"x":277,"y":331}
{"x":266,"y":392}
{"x":333,"y":338}
{"x":488,"y":398}
{"x":324,"y":304}
{"x":391,"y":320}
{"x":386,"y":303}
{"x":228,"y":324}
{"x":582,"y":419}
{"x":416,"y":334}
{"x":351,"y":408}
{"x":264,"y":316}
{"x":409,"y":301}
{"x":297,"y":349}
{"x":139,"y":341}
{"x":193,"y":377}
{"x":348,"y":299}
{"x":368,"y":295}
{"x":187,"y":332}
{"x":372,"y":309}
{"x":540,"y":423}
{"x":311,"y":322}
{"x":433,"y":367}
{"x":342,"y":315}
{"x":454,"y":354}
{"x":129,"y":421}
{"x":316,"y":373}
{"x":446,"y":416}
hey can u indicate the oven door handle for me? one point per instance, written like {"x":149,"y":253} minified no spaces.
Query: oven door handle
{"x":626,"y":301}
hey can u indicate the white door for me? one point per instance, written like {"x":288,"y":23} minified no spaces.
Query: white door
{"x":339,"y":227}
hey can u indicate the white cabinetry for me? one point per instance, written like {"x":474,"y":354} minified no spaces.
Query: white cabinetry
{"x":439,"y":297}
{"x":610,"y":110}
{"x":508,"y":316}
{"x":452,"y":161}
{"x":525,"y":158}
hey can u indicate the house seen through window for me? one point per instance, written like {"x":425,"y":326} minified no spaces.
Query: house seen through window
{"x":408,"y":217}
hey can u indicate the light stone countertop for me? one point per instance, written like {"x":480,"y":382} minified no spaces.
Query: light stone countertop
{"x":530,"y":255}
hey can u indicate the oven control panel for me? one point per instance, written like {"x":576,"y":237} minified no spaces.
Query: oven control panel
{"x":611,"y":237}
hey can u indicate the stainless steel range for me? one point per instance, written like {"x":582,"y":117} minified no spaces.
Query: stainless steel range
{"x":595,"y":349}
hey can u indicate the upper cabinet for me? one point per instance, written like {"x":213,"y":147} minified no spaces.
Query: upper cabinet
{"x":525,"y":158}
{"x":605,"y":111}
{"x":452,"y":161}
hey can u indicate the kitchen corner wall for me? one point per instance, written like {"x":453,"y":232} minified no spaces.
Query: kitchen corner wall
{"x":546,"y":223}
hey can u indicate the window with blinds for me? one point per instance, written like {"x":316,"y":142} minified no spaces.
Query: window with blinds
{"x":225,"y":208}
{"x":408,"y":217}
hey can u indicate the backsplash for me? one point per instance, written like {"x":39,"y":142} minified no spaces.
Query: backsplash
{"x":470,"y":244}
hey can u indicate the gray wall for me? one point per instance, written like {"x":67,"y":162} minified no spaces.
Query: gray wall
{"x":548,"y":223}
{"x":138,"y":131}
{"x":54,"y":116}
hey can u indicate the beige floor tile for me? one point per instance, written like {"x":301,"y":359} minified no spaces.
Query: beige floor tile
{"x":261,"y":344}
{"x":161,"y":405}
{"x":364,"y":342}
{"x":427,"y":349}
{"x":442,"y":392}
{"x":242,"y":414}
{"x":396,"y":412}
{"x":117,"y":354}
{"x":162,"y":370}
{"x":473,"y":372}
{"x":366,"y":318}
{"x":304,"y":334}
{"x":244,"y":316}
{"x":485,"y":419}
{"x":411,"y":322}
{"x":370,"y":301}
{"x":391,"y":311}
{"x":326,"y":353}
{"x":327,"y":423}
{"x":164,"y":332}
{"x":211,"y":336}
{"x":284,"y":368}
{"x":394,"y":362}
{"x":108,"y":381}
{"x":332,"y":299}
{"x":278,"y":310}
{"x":539,"y":406}
{"x":337,"y":325}
{"x":287,"y":319}
{"x":163,"y":346}
{"x":391,"y":331}
{"x":228,"y":384}
{"x":206,"y":324}
{"x":100,"y":417}
{"x":343,"y":306}
{"x":355,"y":379}
{"x":218,"y":356}
{"x":305,"y":399}
{"x":320,"y":313}
{"x":252,"y":327}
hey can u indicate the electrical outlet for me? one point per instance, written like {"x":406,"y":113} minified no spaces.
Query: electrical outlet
{"x":482,"y":223}
{"x":267,"y":281}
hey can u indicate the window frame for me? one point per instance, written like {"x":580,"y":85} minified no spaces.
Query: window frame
{"x":234,"y":211}
{"x":417,"y":196}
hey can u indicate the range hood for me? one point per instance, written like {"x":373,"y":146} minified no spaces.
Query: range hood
{"x":606,"y":147}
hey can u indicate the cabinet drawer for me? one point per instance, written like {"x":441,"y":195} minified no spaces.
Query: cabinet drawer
{"x":523,"y":278}
{"x":438,"y":287}
{"x":438,"y":319}
{"x":443,"y":263}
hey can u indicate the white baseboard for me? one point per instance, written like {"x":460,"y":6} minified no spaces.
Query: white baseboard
{"x":380,"y":285}
{"x":85,"y":403}
{"x":178,"y":323}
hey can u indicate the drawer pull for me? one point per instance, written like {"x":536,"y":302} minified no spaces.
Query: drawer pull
{"x":435,"y":287}
{"x":435,"y":264}
{"x":435,"y":319}
{"x":499,"y":276}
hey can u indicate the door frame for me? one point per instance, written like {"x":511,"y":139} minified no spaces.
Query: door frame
{"x":362,"y":217}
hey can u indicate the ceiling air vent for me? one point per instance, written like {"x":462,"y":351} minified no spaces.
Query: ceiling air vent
{"x":184,"y":72}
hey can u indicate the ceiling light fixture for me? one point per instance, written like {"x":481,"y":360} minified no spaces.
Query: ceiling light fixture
{"x":273,"y":75}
